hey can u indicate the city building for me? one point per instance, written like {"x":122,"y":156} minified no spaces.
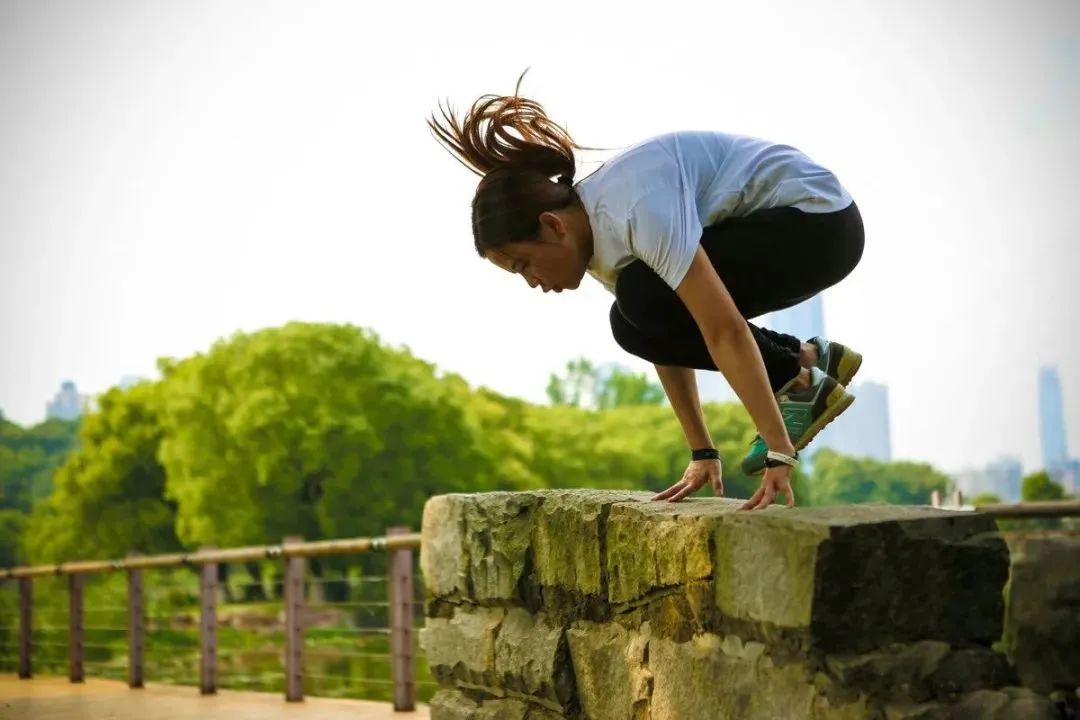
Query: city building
{"x":1055,"y":452}
{"x":864,"y":429}
{"x":1002,"y":477}
{"x":67,"y":404}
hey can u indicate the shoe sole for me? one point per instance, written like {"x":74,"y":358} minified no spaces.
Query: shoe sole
{"x":850,"y":363}
{"x":833,"y":407}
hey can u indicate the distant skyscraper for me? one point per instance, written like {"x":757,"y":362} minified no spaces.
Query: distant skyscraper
{"x":1069,"y":477}
{"x":804,"y":321}
{"x":1002,"y":477}
{"x":863,"y":430}
{"x":68,"y":404}
{"x":1055,"y":453}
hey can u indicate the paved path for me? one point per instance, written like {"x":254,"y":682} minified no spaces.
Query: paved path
{"x":52,"y":698}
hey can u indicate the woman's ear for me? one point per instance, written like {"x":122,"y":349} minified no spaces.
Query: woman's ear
{"x":555,"y":226}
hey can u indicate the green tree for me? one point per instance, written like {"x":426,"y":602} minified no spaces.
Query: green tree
{"x":841,"y":479}
{"x":315,"y":430}
{"x":985,"y":498}
{"x":576,"y":386}
{"x":1039,"y":486}
{"x":109,"y":494}
{"x":29,"y":458}
{"x":585,"y":385}
{"x":12,"y":524}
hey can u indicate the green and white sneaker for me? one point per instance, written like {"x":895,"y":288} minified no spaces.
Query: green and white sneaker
{"x":805,"y":414}
{"x":835,"y":360}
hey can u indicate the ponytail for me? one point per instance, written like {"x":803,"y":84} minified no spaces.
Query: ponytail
{"x":517,"y":150}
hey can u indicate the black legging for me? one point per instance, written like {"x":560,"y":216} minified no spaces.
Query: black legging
{"x":769,"y":260}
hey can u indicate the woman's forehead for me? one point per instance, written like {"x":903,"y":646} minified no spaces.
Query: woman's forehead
{"x":510,"y":253}
{"x":501,"y":257}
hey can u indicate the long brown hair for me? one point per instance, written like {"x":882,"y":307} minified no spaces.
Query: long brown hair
{"x":516,"y":149}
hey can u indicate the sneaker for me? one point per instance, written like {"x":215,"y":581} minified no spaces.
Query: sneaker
{"x":805,"y":414}
{"x":835,"y":360}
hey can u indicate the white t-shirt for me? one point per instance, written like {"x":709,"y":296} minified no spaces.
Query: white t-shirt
{"x":652,"y":201}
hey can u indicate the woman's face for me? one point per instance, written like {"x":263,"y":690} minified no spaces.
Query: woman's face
{"x":552,"y":262}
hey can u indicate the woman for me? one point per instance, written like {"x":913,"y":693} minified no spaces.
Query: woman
{"x":693,"y":233}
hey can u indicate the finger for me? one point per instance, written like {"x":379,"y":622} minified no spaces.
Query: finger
{"x":749,"y":504}
{"x":669,"y":492}
{"x":790,"y":495}
{"x":687,"y":489}
{"x":766,"y":498}
{"x":718,"y":486}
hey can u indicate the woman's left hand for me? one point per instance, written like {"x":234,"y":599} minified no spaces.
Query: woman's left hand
{"x":777,"y":480}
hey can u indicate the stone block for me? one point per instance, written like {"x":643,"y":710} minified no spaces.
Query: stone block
{"x":1043,"y":619}
{"x":610,"y":668}
{"x":858,"y":577}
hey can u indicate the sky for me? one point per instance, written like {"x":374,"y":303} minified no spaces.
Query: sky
{"x":173,"y":173}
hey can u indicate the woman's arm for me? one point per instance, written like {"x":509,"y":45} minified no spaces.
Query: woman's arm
{"x":680,"y":384}
{"x":733,"y":349}
{"x":681,"y":388}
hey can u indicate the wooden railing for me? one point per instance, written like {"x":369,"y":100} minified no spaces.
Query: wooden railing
{"x":399,"y":542}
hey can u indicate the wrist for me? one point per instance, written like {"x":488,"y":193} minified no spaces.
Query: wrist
{"x":704,"y":453}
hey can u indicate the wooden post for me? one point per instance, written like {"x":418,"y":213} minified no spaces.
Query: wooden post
{"x":26,"y":593}
{"x":294,"y":628}
{"x":401,"y":625}
{"x":208,"y":628}
{"x":135,"y":628}
{"x":75,"y":628}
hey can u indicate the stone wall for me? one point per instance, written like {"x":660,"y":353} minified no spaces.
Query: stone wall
{"x":1042,"y":624}
{"x":600,"y":605}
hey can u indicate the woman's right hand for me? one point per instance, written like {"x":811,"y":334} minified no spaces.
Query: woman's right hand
{"x":777,"y":481}
{"x":697,"y":473}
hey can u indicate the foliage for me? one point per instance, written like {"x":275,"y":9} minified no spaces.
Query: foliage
{"x":1039,"y":486}
{"x":841,"y":479}
{"x":583,"y":384}
{"x":108,"y":498}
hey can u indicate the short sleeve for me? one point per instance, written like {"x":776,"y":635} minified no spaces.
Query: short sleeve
{"x":664,"y":232}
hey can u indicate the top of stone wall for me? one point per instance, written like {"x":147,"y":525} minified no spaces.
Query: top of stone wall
{"x":844,"y":577}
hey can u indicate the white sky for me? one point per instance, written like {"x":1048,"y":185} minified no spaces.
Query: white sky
{"x":172,"y":172}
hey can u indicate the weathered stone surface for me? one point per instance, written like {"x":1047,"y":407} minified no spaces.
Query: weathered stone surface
{"x":723,"y":677}
{"x":443,"y":559}
{"x":595,"y":604}
{"x":613,"y":679}
{"x":481,"y":547}
{"x":498,"y":530}
{"x":530,"y":657}
{"x":1006,"y":704}
{"x":462,"y":648}
{"x":856,"y":577}
{"x":569,"y":539}
{"x":676,"y":551}
{"x":1043,"y":620}
{"x":455,"y":705}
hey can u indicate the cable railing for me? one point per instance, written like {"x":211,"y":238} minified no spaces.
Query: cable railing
{"x":251,"y":618}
